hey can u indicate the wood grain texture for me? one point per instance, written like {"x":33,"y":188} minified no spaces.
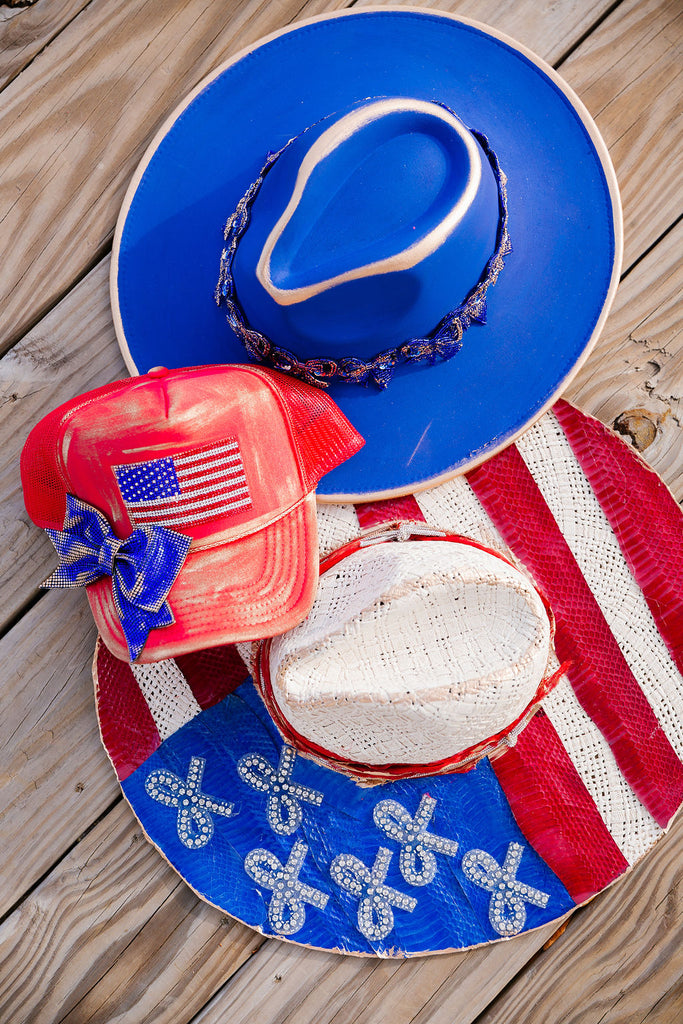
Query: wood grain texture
{"x":446,"y":989}
{"x":68,"y":152}
{"x":633,"y":931}
{"x":75,"y":124}
{"x":114,"y":935}
{"x":25,"y":31}
{"x":629,"y":74}
{"x":111,"y":933}
{"x":638,"y":361}
{"x":70,"y":351}
{"x":56,"y":778}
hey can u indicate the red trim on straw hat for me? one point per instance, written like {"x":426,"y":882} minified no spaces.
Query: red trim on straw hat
{"x":460,"y":761}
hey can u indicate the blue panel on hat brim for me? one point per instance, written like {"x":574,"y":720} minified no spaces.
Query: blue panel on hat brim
{"x":544,"y":311}
{"x":449,"y":911}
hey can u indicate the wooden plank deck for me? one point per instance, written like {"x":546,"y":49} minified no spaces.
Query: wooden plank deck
{"x":94,"y":925}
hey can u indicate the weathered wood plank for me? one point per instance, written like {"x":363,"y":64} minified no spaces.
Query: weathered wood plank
{"x":68,"y":154}
{"x":56,"y":777}
{"x":75,"y":124}
{"x":160,"y":955}
{"x":25,"y":31}
{"x":629,"y":74}
{"x":668,"y":1008}
{"x":638,"y":361}
{"x":341,"y":990}
{"x":624,"y":957}
{"x":113,"y":934}
{"x":70,"y":351}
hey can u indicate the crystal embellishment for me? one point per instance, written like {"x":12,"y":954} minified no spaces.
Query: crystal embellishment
{"x":194,"y":823}
{"x":507,"y":910}
{"x":286,"y":910}
{"x":283,"y":808}
{"x":375,"y":914}
{"x":417,"y":862}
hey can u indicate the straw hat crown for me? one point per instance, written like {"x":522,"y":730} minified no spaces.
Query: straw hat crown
{"x":412,"y":651}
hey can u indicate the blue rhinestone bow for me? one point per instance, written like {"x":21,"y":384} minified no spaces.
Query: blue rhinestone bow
{"x":143,"y":567}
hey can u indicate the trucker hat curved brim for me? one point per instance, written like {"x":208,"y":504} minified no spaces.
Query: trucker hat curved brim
{"x":228,"y":592}
{"x":547,"y":307}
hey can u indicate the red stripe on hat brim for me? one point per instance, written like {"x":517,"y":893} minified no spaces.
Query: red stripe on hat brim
{"x":374,"y":513}
{"x":599,"y":673}
{"x":129,"y":733}
{"x":213,"y":673}
{"x":556,"y":812}
{"x":643,"y":514}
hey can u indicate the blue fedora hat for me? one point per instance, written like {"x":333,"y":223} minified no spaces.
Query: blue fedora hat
{"x":427,"y":223}
{"x":356,"y":237}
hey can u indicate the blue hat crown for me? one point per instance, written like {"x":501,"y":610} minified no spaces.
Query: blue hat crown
{"x":363,"y":232}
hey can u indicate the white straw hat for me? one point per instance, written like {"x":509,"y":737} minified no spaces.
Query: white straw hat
{"x":419,"y":656}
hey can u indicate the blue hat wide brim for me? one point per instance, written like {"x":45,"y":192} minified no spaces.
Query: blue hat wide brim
{"x":544,"y":312}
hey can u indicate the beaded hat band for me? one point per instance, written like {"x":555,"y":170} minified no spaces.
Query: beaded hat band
{"x":442,"y":343}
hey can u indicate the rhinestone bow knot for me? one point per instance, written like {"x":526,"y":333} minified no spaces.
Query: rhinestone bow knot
{"x":143,"y":567}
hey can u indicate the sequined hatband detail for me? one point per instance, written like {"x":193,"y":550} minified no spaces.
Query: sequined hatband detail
{"x":442,"y":343}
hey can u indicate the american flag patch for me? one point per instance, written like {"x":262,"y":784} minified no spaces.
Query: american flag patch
{"x":179,"y":490}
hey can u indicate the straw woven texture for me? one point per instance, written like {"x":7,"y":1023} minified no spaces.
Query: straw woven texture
{"x":412,"y":651}
{"x":561,"y":479}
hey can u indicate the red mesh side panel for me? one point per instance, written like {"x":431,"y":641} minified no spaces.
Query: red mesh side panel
{"x":323,"y":435}
{"x":555,"y":811}
{"x":374,"y":513}
{"x":128,"y":730}
{"x":213,"y":673}
{"x":44,"y":488}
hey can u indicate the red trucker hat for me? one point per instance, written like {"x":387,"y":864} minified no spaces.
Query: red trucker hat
{"x":184,"y":501}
